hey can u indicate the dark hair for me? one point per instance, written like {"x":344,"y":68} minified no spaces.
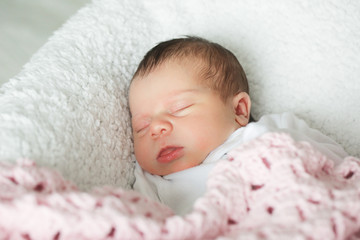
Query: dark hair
{"x":221,"y":71}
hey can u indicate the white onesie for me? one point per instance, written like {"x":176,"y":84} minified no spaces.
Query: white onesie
{"x":180,"y":190}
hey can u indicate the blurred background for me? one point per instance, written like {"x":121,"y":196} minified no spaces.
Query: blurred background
{"x":25,"y":25}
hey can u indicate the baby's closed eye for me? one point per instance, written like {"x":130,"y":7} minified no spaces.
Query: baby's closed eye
{"x":180,"y":110}
{"x":140,"y":126}
{"x":140,"y":129}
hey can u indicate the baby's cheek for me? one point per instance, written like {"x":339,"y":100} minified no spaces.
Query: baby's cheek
{"x":210,"y":140}
{"x":198,"y":135}
{"x":140,"y":152}
{"x":205,"y":143}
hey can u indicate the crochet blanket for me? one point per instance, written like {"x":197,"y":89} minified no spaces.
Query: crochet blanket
{"x":272,"y":187}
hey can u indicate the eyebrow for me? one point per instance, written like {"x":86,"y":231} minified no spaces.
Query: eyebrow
{"x":177,"y":94}
{"x":185,"y":91}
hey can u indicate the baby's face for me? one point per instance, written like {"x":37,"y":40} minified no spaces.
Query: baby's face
{"x":176,"y":121}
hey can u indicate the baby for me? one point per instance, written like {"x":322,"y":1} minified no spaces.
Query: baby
{"x":190,"y":105}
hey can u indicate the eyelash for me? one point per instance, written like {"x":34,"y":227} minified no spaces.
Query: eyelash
{"x":141,"y":127}
{"x":179,"y":109}
{"x":172,"y":112}
{"x":140,"y":130}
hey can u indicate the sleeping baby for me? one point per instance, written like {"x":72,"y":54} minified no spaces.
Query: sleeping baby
{"x":190,"y":105}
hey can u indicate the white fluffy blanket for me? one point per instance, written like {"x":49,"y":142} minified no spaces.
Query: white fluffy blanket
{"x":271,"y":187}
{"x":67,"y":109}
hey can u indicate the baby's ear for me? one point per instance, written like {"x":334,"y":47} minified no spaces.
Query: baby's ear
{"x":242,"y":105}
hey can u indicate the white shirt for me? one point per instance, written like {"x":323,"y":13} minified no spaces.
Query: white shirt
{"x":180,"y":190}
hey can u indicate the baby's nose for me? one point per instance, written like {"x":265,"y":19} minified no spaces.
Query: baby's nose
{"x":160,"y":127}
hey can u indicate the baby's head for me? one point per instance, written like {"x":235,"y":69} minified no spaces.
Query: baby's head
{"x":186,"y":98}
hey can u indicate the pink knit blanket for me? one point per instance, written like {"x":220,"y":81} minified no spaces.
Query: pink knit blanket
{"x":270,"y":188}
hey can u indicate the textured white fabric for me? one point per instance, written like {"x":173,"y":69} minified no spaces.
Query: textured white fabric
{"x":180,"y":190}
{"x":67,"y":108}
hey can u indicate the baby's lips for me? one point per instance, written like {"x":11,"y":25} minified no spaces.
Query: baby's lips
{"x":170,"y":153}
{"x":166,"y":150}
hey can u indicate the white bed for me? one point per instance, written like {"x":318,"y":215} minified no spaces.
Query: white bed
{"x":67,"y":108}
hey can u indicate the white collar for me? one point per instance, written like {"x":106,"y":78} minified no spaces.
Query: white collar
{"x":233,"y":140}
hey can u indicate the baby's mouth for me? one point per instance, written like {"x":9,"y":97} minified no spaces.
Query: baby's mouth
{"x":169,"y":154}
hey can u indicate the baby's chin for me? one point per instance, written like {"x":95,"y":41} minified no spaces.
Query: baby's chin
{"x":174,"y":169}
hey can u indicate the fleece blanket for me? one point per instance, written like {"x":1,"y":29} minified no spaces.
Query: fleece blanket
{"x":269,"y":188}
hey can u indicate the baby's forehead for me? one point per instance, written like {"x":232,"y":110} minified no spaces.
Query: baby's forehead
{"x":198,"y":66}
{"x":189,"y":74}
